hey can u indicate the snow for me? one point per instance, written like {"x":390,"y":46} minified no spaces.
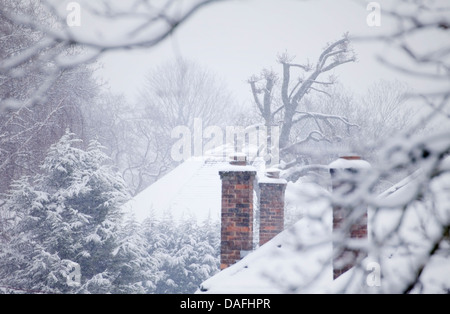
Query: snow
{"x":342,"y":163}
{"x":298,"y":260}
{"x":192,"y":190}
{"x":233,"y":168}
{"x":401,"y":192}
{"x":294,"y":256}
{"x":276,"y":267}
{"x":402,"y":185}
{"x":267,"y":180}
{"x":178,"y":193}
{"x":407,"y":247}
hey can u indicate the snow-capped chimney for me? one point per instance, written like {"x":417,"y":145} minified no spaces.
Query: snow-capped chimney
{"x":237,"y":211}
{"x":348,"y":223}
{"x":271,"y":205}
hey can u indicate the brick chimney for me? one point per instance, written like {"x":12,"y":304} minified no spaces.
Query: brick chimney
{"x":237,"y":211}
{"x":346,"y":226}
{"x":271,"y":205}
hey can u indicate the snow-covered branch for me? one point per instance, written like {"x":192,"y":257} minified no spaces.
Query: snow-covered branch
{"x":320,"y":116}
{"x":335,"y":54}
{"x":143,"y":24}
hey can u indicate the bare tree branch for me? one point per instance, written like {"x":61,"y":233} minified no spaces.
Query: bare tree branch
{"x":55,"y":37}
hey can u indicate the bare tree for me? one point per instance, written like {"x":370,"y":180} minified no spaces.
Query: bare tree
{"x":152,"y":23}
{"x":177,"y":92}
{"x":140,"y":135}
{"x":384,"y":109}
{"x":26,"y":132}
{"x":430,"y":152}
{"x":41,"y":58}
{"x":409,"y":222}
{"x":40,"y":53}
{"x":288,"y":107}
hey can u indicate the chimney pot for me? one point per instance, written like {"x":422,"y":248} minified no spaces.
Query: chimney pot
{"x":238,"y":159}
{"x":273,"y":173}
{"x":351,"y":157}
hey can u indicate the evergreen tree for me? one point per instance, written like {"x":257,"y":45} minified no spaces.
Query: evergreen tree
{"x":26,"y":265}
{"x":65,"y":233}
{"x":187,"y":253}
{"x":209,"y":248}
{"x":66,"y":218}
{"x":137,"y":269}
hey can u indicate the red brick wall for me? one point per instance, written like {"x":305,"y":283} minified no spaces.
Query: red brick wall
{"x":344,"y":257}
{"x":344,"y":224}
{"x":237,"y":215}
{"x":271,"y":210}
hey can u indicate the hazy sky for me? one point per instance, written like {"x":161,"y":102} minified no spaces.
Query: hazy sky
{"x":237,"y":39}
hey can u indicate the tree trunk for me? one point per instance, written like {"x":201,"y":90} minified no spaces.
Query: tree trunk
{"x":286,"y":129}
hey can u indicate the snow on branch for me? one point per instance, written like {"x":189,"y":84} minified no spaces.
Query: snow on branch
{"x":321,"y":116}
{"x":140,"y":24}
{"x":417,"y":19}
{"x":312,"y":136}
{"x":293,"y":90}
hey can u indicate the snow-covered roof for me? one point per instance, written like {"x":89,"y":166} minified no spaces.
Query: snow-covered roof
{"x":342,"y":163}
{"x":298,"y":260}
{"x":193,"y":189}
{"x":282,"y":263}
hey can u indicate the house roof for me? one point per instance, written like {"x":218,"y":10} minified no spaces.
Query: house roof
{"x":298,"y":260}
{"x":293,"y":256}
{"x":193,"y":189}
